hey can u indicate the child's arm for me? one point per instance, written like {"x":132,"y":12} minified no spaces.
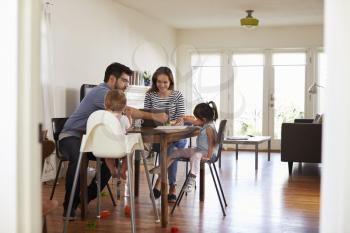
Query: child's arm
{"x":189,"y":119}
{"x":211,"y":143}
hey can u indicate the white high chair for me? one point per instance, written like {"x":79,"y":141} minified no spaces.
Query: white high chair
{"x":105,"y":139}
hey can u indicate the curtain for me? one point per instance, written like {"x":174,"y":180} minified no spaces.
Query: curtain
{"x":47,"y":82}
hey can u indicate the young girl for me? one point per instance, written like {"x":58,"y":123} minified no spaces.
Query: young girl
{"x":115,"y":102}
{"x":205,"y":115}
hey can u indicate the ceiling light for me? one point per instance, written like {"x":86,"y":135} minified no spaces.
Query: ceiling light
{"x":249,"y":21}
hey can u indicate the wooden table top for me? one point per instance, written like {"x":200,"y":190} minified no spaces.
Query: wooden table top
{"x":249,"y":140}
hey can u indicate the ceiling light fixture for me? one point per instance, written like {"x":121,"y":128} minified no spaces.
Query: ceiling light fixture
{"x":249,"y":21}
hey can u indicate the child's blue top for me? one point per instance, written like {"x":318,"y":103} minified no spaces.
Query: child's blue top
{"x":202,"y":138}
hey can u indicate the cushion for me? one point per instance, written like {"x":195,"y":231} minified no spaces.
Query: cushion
{"x":318,"y":119}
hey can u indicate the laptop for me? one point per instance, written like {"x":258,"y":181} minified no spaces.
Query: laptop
{"x":152,"y":123}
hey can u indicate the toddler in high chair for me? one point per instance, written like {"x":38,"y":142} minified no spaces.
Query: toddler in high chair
{"x":206,"y":144}
{"x":115,"y":102}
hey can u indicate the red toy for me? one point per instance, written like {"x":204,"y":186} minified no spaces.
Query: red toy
{"x":105,"y":213}
{"x":174,"y":230}
{"x":127,"y":211}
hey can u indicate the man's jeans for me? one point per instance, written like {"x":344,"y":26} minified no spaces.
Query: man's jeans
{"x":172,"y":170}
{"x":70,"y":148}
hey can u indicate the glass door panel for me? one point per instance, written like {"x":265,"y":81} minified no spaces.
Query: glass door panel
{"x":206,"y":71}
{"x":322,"y":82}
{"x":248,"y":74}
{"x":288,"y":98}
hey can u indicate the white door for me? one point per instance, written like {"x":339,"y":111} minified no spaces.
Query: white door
{"x":286,"y":99}
{"x":248,"y":82}
{"x":268,"y":89}
{"x":206,"y":73}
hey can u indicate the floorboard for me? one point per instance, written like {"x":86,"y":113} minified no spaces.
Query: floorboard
{"x":265,"y":201}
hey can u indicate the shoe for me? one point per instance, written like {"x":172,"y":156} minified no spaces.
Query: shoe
{"x":191,"y":183}
{"x":156,"y":193}
{"x":155,"y":170}
{"x":72,"y":216}
{"x":171,"y":198}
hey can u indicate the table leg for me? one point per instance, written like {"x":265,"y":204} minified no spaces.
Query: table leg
{"x":83,"y":186}
{"x":268,"y":149}
{"x":137,"y":172}
{"x":256,"y":156}
{"x":202,"y":182}
{"x":236,"y":151}
{"x":164,"y":180}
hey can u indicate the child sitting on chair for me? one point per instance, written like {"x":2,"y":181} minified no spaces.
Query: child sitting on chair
{"x":115,"y":102}
{"x":205,"y":115}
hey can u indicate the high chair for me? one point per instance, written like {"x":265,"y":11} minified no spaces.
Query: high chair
{"x":105,"y":139}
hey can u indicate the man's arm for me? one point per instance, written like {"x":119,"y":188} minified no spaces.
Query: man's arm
{"x":138,"y":114}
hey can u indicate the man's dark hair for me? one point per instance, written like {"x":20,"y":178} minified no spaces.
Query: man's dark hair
{"x":116,"y":69}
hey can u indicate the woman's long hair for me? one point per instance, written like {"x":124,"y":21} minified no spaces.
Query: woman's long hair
{"x":162,"y":70}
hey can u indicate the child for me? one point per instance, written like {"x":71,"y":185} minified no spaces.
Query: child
{"x":115,"y":102}
{"x":206,"y":114}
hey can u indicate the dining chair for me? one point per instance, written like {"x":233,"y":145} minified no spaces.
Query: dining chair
{"x":157,"y":162}
{"x":214,"y":175}
{"x":57,"y":126}
{"x":105,"y":139}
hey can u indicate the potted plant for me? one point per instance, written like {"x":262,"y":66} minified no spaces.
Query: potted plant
{"x":146,"y":78}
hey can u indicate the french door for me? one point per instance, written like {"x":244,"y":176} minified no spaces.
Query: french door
{"x":269,"y":89}
{"x":255,"y":91}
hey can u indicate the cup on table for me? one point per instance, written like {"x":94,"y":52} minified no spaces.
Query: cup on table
{"x":138,"y":123}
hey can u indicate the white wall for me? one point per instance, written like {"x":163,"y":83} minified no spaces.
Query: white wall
{"x":335,"y":185}
{"x":90,"y":34}
{"x":264,"y":37}
{"x":8,"y":121}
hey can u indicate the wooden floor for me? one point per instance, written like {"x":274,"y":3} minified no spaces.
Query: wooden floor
{"x":264,"y":201}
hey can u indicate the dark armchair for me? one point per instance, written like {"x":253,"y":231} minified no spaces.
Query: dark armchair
{"x":301,"y":142}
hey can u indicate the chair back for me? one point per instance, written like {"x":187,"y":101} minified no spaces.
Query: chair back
{"x":105,"y":137}
{"x":84,"y":90}
{"x":57,"y":126}
{"x":220,"y":138}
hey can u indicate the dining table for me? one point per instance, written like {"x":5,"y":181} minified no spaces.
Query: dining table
{"x":164,"y":137}
{"x":150,"y":135}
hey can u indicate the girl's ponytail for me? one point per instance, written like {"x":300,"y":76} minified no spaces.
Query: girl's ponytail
{"x":214,"y":109}
{"x":206,"y":111}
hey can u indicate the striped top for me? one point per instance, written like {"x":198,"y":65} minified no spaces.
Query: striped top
{"x":174,"y":103}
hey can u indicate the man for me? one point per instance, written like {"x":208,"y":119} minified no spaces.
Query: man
{"x":116,"y":77}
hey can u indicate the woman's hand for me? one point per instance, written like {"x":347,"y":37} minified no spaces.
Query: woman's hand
{"x":178,"y":121}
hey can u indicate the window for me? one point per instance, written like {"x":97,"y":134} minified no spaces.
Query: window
{"x":289,"y":88}
{"x":321,"y":81}
{"x":248,"y":72}
{"x":206,"y":78}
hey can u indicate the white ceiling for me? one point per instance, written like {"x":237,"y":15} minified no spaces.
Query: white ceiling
{"x":182,"y":14}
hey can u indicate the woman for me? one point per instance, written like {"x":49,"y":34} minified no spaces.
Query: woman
{"x":162,"y":95}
